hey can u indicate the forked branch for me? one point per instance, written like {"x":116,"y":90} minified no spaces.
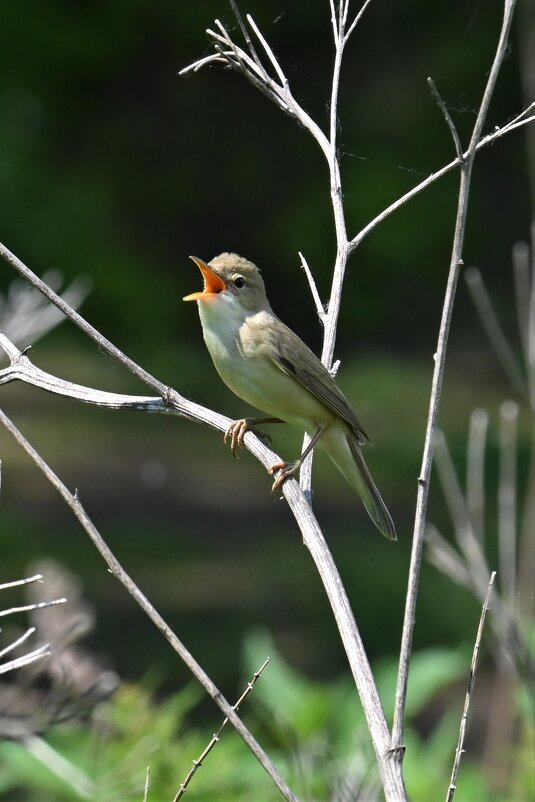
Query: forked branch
{"x":438,"y":378}
{"x":73,"y":501}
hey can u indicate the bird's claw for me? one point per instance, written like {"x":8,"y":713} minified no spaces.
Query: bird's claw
{"x":283,"y":471}
{"x":237,"y":431}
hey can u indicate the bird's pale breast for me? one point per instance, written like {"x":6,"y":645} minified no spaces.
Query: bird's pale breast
{"x":240,"y":348}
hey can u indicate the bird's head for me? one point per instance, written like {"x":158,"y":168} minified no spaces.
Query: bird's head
{"x":231,"y":277}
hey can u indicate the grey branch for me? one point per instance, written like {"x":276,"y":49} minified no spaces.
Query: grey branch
{"x":216,"y":737}
{"x":27,"y":608}
{"x":36,"y":654}
{"x":438,"y":378}
{"x":388,"y":761}
{"x":18,"y":582}
{"x":447,"y":116}
{"x":464,"y":718}
{"x":73,"y":501}
{"x":25,"y":659}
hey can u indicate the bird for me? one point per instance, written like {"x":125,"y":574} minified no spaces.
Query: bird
{"x":267,"y":365}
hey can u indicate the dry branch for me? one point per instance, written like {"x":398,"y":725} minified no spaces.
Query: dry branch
{"x":438,"y":378}
{"x":73,"y":501}
{"x":41,"y":651}
{"x":217,"y":735}
{"x":272,"y":81}
{"x":468,"y":698}
{"x":172,"y":402}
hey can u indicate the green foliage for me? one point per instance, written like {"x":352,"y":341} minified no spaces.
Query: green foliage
{"x":314,"y":731}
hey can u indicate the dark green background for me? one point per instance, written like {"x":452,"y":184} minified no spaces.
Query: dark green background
{"x":114,"y":167}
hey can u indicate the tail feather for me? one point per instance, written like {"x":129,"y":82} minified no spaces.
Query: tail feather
{"x":367,"y":490}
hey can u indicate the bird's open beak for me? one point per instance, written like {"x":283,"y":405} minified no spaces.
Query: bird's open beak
{"x":213,"y":284}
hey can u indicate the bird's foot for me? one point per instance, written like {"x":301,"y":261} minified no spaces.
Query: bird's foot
{"x":283,"y":471}
{"x":237,"y":431}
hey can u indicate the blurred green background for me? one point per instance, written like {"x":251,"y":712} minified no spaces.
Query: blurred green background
{"x":114,"y":167}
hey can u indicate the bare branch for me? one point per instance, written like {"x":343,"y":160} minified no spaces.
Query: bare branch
{"x":25,"y":659}
{"x":79,"y":321}
{"x":26,"y":608}
{"x":22,"y":369}
{"x":312,"y":535}
{"x":16,"y":643}
{"x":438,"y":377}
{"x":269,"y":52}
{"x":252,"y":69}
{"x":356,"y":20}
{"x":245,"y":32}
{"x":118,"y":571}
{"x":447,"y":116}
{"x":518,"y":121}
{"x":18,"y":582}
{"x":464,"y":718}
{"x":216,"y":737}
{"x":313,"y":288}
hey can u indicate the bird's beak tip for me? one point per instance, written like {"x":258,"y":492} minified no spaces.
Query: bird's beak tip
{"x":213,"y":283}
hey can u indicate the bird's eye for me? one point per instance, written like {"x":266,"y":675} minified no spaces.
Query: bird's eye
{"x":239,"y":282}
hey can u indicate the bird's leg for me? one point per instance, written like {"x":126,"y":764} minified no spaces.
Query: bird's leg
{"x":238,"y":429}
{"x":286,"y":469}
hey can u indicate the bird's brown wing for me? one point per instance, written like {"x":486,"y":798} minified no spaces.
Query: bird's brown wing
{"x":313,"y":376}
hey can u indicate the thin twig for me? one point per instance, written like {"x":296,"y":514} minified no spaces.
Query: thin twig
{"x":18,"y":582}
{"x":519,"y":120}
{"x":313,"y":288}
{"x":269,"y":52}
{"x":312,"y":537}
{"x":464,"y":718}
{"x":245,"y":32}
{"x":26,"y":608}
{"x":216,"y":737}
{"x":25,"y":659}
{"x":438,"y":378}
{"x":357,"y":19}
{"x":447,"y":116}
{"x":118,"y":571}
{"x":16,"y":643}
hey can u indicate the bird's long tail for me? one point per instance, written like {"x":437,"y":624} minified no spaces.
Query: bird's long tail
{"x":362,"y":481}
{"x":344,"y":449}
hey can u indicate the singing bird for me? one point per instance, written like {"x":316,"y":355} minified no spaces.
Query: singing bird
{"x":263,"y":362}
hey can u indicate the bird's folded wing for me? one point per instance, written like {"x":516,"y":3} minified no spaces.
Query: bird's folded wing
{"x":296,"y":359}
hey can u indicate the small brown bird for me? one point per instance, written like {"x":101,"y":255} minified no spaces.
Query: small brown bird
{"x":266,"y":364}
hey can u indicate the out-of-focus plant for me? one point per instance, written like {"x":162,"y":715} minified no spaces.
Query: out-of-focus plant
{"x":316,"y":732}
{"x":26,"y":316}
{"x":510,"y":733}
